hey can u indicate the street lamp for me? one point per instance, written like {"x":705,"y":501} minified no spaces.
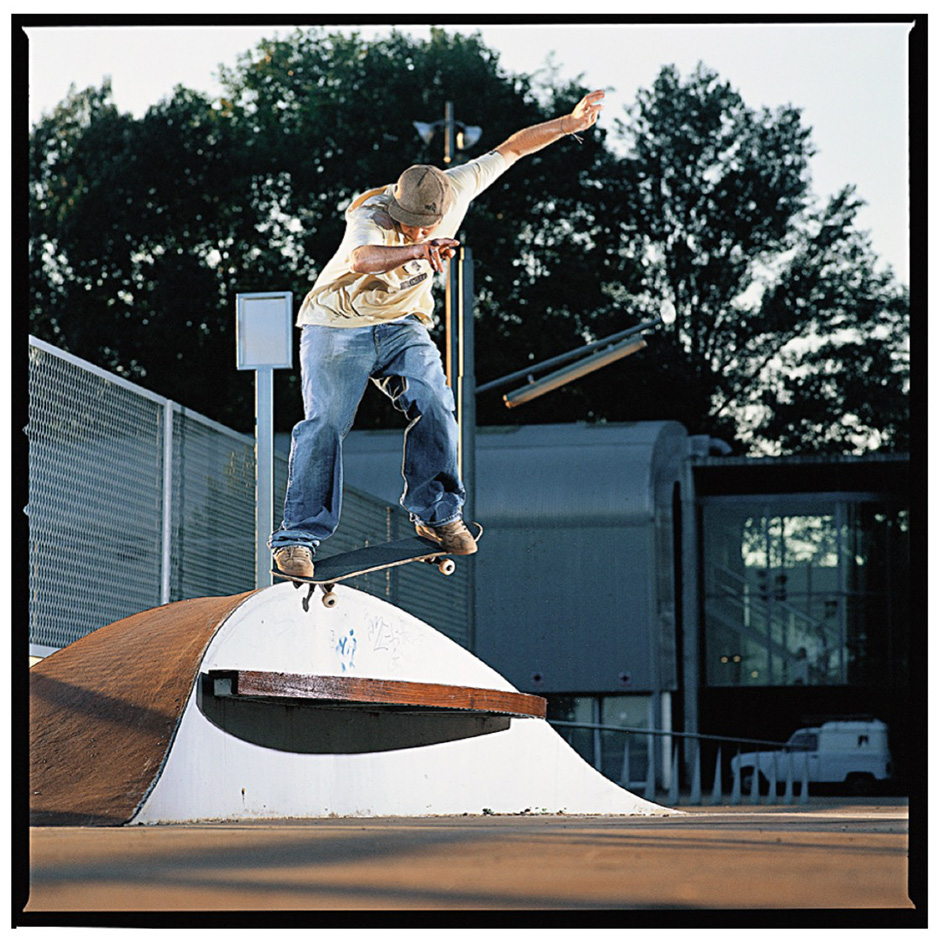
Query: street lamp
{"x":458,"y":312}
{"x":457,"y":135}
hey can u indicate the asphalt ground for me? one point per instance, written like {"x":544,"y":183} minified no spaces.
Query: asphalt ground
{"x":823,"y":858}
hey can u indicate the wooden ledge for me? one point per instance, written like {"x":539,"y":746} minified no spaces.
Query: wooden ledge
{"x":355,"y":691}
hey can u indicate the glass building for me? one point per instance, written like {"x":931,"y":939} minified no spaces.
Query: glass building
{"x":802,"y":596}
{"x":800,"y":590}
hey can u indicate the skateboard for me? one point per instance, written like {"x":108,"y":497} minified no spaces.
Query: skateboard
{"x":331,"y":569}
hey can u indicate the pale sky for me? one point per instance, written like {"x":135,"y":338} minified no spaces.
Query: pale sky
{"x":850,"y":80}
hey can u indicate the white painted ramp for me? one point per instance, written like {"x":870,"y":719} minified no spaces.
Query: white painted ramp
{"x":259,"y":763}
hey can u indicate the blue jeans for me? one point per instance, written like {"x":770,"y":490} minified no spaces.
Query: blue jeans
{"x":336,"y":365}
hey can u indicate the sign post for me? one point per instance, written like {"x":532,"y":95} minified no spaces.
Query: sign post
{"x":264,"y":342}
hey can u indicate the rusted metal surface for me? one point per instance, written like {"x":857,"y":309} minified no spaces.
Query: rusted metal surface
{"x":347,"y":689}
{"x":104,"y":710}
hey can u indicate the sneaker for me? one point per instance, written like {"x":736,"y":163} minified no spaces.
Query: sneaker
{"x":454,"y":537}
{"x":296,"y":561}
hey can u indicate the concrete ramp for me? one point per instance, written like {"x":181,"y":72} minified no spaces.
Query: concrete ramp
{"x":261,"y":707}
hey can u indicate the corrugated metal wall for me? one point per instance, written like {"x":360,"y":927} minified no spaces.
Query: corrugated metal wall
{"x":574,"y":586}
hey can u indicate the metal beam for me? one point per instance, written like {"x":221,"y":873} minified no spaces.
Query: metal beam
{"x":576,"y":371}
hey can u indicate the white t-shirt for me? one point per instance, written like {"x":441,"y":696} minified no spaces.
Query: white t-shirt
{"x":340,"y":297}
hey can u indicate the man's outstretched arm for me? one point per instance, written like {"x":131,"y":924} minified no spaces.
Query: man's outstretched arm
{"x":531,"y":139}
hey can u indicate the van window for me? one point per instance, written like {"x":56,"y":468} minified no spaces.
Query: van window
{"x":804,"y":741}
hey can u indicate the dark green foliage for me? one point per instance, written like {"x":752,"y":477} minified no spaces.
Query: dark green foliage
{"x":143,"y":231}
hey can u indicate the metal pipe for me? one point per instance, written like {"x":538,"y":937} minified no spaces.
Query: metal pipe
{"x":264,"y":472}
{"x":667,"y":734}
{"x":449,"y":133}
{"x":566,"y":357}
{"x":466,"y":377}
{"x":166,"y":553}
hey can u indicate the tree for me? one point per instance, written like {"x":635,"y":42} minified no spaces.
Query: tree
{"x":788,"y":337}
{"x":842,"y":383}
{"x":130,"y":228}
{"x":205,"y":201}
{"x":330,"y":115}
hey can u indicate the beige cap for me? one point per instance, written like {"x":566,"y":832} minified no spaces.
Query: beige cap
{"x":421,"y":197}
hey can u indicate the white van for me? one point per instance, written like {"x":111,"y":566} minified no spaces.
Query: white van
{"x":851,"y":752}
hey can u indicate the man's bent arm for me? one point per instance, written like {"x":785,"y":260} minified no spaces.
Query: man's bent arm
{"x":531,"y":139}
{"x":377,"y":259}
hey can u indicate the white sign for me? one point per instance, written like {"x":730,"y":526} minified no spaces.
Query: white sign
{"x":264,"y":330}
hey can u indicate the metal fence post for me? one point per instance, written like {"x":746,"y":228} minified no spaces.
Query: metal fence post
{"x":166,"y":553}
{"x":788,"y":788}
{"x":674,"y":782}
{"x":716,"y":788}
{"x":695,"y":796}
{"x":264,"y":454}
{"x":625,"y":767}
{"x":736,"y":784}
{"x":650,"y":791}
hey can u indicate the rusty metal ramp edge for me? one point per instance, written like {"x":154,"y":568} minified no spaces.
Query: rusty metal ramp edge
{"x":104,"y":711}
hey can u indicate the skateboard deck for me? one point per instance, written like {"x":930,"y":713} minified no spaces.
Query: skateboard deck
{"x":331,"y":569}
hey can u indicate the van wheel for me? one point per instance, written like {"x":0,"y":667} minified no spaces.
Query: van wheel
{"x":748,"y":778}
{"x":860,"y":784}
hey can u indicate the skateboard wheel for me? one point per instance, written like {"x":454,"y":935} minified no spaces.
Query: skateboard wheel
{"x":329,"y":599}
{"x":447,"y":566}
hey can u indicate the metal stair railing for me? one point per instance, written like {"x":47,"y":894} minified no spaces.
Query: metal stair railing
{"x":770,"y":613}
{"x":797,"y":770}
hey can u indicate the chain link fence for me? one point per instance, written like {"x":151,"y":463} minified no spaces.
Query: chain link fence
{"x":135,"y":501}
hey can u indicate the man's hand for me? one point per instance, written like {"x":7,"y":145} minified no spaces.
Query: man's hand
{"x":585,"y":113}
{"x":438,"y":250}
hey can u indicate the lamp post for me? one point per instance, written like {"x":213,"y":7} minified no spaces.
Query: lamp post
{"x":458,"y":321}
{"x":460,"y":368}
{"x":457,"y":135}
{"x":458,"y":315}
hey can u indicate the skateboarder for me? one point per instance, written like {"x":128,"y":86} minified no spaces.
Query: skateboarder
{"x":368,"y":317}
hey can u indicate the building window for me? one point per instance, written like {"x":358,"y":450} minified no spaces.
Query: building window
{"x":799,"y":591}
